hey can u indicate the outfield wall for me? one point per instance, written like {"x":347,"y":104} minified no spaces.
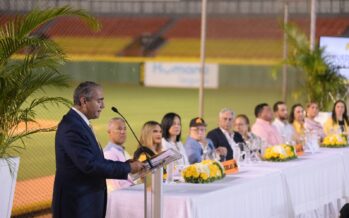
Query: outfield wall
{"x":230,"y":75}
{"x":256,"y":77}
{"x":123,"y":73}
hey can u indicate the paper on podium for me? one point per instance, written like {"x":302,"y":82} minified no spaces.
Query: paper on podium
{"x":159,"y":160}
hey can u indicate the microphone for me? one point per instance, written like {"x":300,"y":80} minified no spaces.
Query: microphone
{"x":114,"y":109}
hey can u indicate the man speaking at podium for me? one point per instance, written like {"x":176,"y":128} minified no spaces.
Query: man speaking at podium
{"x":81,"y":169}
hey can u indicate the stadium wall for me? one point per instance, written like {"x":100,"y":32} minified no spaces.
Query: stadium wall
{"x":256,"y":77}
{"x":122,"y":73}
{"x":230,"y":75}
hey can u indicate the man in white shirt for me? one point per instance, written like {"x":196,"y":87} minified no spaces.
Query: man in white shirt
{"x":281,"y":123}
{"x":115,"y":150}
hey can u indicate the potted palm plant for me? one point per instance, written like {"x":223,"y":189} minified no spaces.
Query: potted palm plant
{"x":20,"y":78}
{"x":321,"y":79}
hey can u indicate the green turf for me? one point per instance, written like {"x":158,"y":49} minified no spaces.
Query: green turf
{"x":139,"y":104}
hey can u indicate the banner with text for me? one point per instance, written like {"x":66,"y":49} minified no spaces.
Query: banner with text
{"x":184,"y":75}
{"x":337,"y":52}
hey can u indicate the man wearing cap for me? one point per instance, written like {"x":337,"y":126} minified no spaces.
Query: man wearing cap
{"x":224,"y":136}
{"x":197,"y":146}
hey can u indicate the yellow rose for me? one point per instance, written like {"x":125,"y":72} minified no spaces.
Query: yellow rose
{"x":196,"y":174}
{"x":206,"y":162}
{"x":282,"y":156}
{"x":275,"y":155}
{"x":188,"y":173}
{"x":326,"y":141}
{"x":267,"y":155}
{"x":268,"y":149}
{"x":204,"y":176}
{"x":213,"y":170}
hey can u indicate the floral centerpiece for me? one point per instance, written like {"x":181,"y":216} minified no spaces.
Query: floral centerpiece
{"x":335,"y":141}
{"x":204,"y":172}
{"x":280,"y":153}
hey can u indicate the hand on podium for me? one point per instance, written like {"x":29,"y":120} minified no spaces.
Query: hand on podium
{"x":136,"y":166}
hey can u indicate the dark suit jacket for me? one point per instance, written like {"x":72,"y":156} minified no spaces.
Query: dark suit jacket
{"x":219,"y":140}
{"x":81,"y":170}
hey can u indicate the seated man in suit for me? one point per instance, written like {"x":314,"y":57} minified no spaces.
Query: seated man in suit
{"x":115,"y":150}
{"x":81,"y":169}
{"x":197,"y":146}
{"x":224,"y":136}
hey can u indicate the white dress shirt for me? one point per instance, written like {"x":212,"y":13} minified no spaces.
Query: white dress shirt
{"x":83,"y":116}
{"x":285,"y":130}
{"x":178,"y":146}
{"x":229,"y":137}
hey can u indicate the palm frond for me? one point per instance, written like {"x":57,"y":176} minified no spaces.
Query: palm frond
{"x":21,"y":80}
{"x":320,"y":77}
{"x":9,"y":147}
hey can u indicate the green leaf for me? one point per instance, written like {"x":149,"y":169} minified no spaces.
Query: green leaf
{"x":21,"y":80}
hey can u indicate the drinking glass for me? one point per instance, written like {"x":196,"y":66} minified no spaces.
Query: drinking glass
{"x":254,"y":146}
{"x":243,"y":153}
{"x":205,"y":152}
{"x":236,"y":153}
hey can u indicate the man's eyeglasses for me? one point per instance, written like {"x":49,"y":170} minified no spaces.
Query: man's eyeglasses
{"x":199,"y":129}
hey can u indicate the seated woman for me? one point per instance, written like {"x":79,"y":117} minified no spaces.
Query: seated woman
{"x":150,"y":139}
{"x":310,"y":123}
{"x":242,"y":126}
{"x":171,"y":136}
{"x":338,"y":122}
{"x":297,"y":120}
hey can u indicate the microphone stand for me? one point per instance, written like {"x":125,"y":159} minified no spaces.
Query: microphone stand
{"x":156,"y":187}
{"x":140,"y":145}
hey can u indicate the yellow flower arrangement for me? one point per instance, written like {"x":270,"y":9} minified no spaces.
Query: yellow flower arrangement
{"x":335,"y":141}
{"x":204,"y":172}
{"x":279,"y":153}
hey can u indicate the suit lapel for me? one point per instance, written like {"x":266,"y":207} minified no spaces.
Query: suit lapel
{"x":82,"y":122}
{"x":86,"y":128}
{"x":223,"y":137}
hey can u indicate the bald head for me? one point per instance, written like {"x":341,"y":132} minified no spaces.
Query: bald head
{"x":117,"y":131}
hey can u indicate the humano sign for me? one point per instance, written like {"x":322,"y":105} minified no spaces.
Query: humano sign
{"x":184,"y":75}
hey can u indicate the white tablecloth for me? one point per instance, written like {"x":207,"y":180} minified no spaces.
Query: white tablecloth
{"x":314,"y":185}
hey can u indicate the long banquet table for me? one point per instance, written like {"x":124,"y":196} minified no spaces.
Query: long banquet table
{"x":314,"y":185}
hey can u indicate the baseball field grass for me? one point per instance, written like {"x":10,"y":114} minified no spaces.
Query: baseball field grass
{"x":139,"y":104}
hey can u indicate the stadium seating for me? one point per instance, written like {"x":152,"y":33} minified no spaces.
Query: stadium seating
{"x":235,"y":37}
